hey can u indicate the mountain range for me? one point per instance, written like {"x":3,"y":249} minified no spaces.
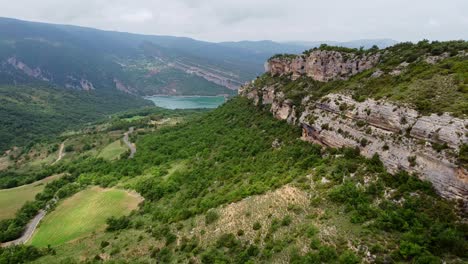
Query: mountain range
{"x":88,"y":59}
{"x":46,"y":68}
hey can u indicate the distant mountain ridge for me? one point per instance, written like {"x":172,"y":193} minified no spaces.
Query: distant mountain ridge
{"x":85,"y":58}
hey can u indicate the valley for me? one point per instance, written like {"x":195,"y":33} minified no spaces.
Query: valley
{"x":128,"y":148}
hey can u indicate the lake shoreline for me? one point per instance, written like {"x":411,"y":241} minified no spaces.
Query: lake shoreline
{"x":187,"y":101}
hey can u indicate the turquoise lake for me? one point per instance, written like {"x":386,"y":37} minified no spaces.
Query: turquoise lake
{"x":187,"y":102}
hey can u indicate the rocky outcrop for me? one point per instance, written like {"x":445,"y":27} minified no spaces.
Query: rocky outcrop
{"x":402,"y":137}
{"x":119,"y":85}
{"x":322,"y":65}
{"x":23,"y":67}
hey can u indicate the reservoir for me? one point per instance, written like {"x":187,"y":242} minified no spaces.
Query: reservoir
{"x":186,"y":102}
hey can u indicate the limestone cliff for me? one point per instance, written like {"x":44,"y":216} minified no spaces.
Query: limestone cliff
{"x":322,"y":65}
{"x":424,"y":144}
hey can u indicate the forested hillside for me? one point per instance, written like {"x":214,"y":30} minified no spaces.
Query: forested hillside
{"x":29,"y":114}
{"x":252,"y":191}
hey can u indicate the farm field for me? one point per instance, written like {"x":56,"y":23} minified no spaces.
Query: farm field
{"x":11,"y":200}
{"x":113,"y":150}
{"x":83,"y":214}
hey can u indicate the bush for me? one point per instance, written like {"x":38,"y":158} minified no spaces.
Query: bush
{"x":211,"y":217}
{"x":256,"y":226}
{"x":312,"y":231}
{"x":21,"y":254}
{"x":348,"y":257}
{"x":104,"y":244}
{"x":114,"y":224}
{"x":286,"y":220}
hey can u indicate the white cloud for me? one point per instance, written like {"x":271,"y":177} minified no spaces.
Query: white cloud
{"x":137,"y":16}
{"x":219,"y":20}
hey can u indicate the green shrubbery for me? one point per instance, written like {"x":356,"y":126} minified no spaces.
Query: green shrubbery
{"x":22,"y":254}
{"x":430,"y":88}
{"x":236,"y":160}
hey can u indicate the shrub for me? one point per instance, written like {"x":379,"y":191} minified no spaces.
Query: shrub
{"x":114,"y":224}
{"x":211,"y":217}
{"x":348,"y":257}
{"x":104,"y":244}
{"x":312,"y":231}
{"x":256,"y":226}
{"x":327,"y":254}
{"x":363,"y":142}
{"x":412,"y":161}
{"x":286,"y":220}
{"x":361,"y":123}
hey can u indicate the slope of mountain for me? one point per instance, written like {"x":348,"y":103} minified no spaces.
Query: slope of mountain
{"x":407,"y":103}
{"x":251,"y":191}
{"x":32,"y":113}
{"x":337,"y":155}
{"x":84,"y":58}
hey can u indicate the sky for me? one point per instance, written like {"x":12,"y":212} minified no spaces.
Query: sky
{"x":279,"y":20}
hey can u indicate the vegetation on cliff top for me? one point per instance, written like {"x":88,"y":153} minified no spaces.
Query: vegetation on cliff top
{"x":403,"y":75}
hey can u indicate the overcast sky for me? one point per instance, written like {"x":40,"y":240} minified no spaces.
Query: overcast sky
{"x":280,"y":20}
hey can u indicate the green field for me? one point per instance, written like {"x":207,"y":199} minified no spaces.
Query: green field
{"x":11,"y":200}
{"x":113,"y":150}
{"x":83,"y":214}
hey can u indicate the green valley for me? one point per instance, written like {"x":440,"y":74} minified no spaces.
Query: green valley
{"x":84,"y":213}
{"x":127,"y":148}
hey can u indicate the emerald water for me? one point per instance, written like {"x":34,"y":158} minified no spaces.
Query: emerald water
{"x":187,"y":102}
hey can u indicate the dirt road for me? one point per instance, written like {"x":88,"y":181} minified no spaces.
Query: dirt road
{"x":130,"y":145}
{"x":61,"y":153}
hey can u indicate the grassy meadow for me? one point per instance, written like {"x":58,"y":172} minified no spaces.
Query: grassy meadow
{"x":83,"y":214}
{"x":113,"y":150}
{"x":11,"y":200}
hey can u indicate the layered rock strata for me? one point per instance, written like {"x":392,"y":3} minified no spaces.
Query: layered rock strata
{"x":402,"y":137}
{"x":322,"y":65}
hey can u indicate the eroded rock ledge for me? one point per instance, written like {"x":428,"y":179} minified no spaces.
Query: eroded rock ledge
{"x":322,"y":65}
{"x":404,"y":139}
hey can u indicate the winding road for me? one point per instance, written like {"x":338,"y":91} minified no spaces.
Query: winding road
{"x":30,"y":228}
{"x":32,"y":225}
{"x":130,"y":145}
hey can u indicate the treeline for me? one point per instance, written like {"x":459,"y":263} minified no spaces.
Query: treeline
{"x":22,"y":254}
{"x":10,"y":179}
{"x":11,"y":229}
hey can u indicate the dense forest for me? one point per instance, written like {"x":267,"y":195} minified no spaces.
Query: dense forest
{"x":31,"y":113}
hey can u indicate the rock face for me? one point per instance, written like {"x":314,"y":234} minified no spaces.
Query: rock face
{"x":322,"y":65}
{"x":21,"y":66}
{"x":402,"y":138}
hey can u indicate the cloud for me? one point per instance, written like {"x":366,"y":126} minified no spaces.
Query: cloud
{"x":220,"y":20}
{"x":137,"y":16}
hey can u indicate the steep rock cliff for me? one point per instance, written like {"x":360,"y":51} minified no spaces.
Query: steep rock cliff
{"x":322,"y":65}
{"x":424,"y":144}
